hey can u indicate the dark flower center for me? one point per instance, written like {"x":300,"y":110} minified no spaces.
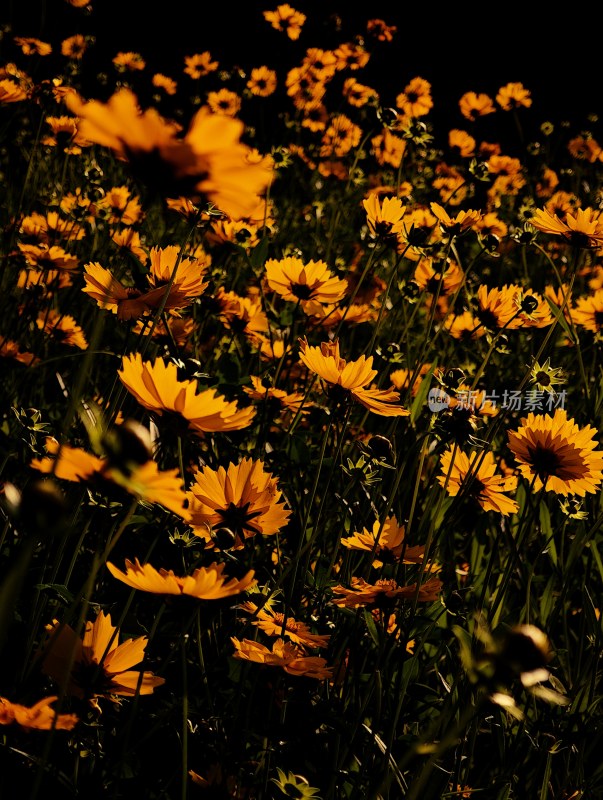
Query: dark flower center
{"x":237,"y":518}
{"x":544,"y":462}
{"x":302,"y":291}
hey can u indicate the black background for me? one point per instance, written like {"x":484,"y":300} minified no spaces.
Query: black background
{"x":456,"y":47}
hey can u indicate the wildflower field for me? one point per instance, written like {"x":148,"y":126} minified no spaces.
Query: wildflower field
{"x":300,"y":430}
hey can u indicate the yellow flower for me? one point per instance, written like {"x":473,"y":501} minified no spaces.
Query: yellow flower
{"x":243,"y":498}
{"x":513,"y":95}
{"x":474,"y":475}
{"x":275,"y":624}
{"x":384,"y":219}
{"x":582,"y":229}
{"x":554,"y":453}
{"x":454,"y":226}
{"x":100,"y":666}
{"x":209,"y":162}
{"x":287,"y":19}
{"x":283,"y":654}
{"x":386,"y":542}
{"x":155,"y":386}
{"x":205,"y":583}
{"x":351,"y":376}
{"x":384,"y":591}
{"x":39,"y":717}
{"x":312,"y":285}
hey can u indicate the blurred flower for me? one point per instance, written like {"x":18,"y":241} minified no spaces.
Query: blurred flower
{"x":287,"y":19}
{"x":292,"y":785}
{"x":205,"y":583}
{"x":557,"y":455}
{"x":133,"y":62}
{"x":39,"y":717}
{"x":210,"y":161}
{"x":168,"y":85}
{"x":474,"y":476}
{"x":513,"y":95}
{"x":97,"y":665}
{"x":473,"y":105}
{"x":262,"y":81}
{"x":62,"y":328}
{"x":33,"y":47}
{"x":199,"y":65}
{"x":385,"y":592}
{"x":242,"y":498}
{"x":415,"y":100}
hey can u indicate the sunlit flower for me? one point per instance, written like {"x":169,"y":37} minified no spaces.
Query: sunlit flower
{"x":65,"y":135}
{"x":437,"y":278}
{"x":557,"y":455}
{"x":588,"y":312}
{"x":474,"y":476}
{"x":287,"y":19}
{"x":384,"y":219}
{"x":351,"y":55}
{"x":33,"y":47}
{"x":39,"y":717}
{"x":156,"y":387}
{"x":351,"y":376}
{"x":205,"y":583}
{"x":312,"y":284}
{"x":98,"y":665}
{"x":11,"y":349}
{"x":133,"y":62}
{"x":74,"y":46}
{"x":283,"y":654}
{"x":62,"y":328}
{"x":274,"y":398}
{"x":46,"y":256}
{"x":292,"y":785}
{"x":11,"y":92}
{"x":380,"y":30}
{"x":224,"y":101}
{"x":274,"y":624}
{"x":357,"y":94}
{"x":584,"y":228}
{"x":165,"y":83}
{"x":455,"y":226}
{"x":129,"y":239}
{"x":341,"y":134}
{"x":242,"y":498}
{"x":385,"y":592}
{"x":386,"y":542}
{"x":461,"y":142}
{"x":210,"y":161}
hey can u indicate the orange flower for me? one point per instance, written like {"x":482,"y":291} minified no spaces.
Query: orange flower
{"x":283,"y":654}
{"x":554,"y":453}
{"x":351,"y":376}
{"x":156,"y":387}
{"x":206,"y":583}
{"x":312,"y":285}
{"x":199,"y":65}
{"x":242,"y":498}
{"x":415,"y":100}
{"x":100,"y":666}
{"x":275,"y":624}
{"x":474,"y":474}
{"x":208,"y":162}
{"x":39,"y":717}
{"x":384,"y":219}
{"x":287,"y":19}
{"x":386,"y":542}
{"x":513,"y":95}
{"x":455,"y":226}
{"x":362,"y":593}
{"x":62,"y":328}
{"x":473,"y":105}
{"x":582,"y":229}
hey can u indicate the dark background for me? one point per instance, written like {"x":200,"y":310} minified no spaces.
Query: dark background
{"x":456,"y":47}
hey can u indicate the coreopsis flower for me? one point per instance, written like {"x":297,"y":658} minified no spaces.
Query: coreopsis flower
{"x":287,"y":19}
{"x":44,"y":256}
{"x":74,"y":46}
{"x":357,"y":94}
{"x":123,"y":207}
{"x":262,"y":81}
{"x":380,"y":30}
{"x":415,"y":100}
{"x":351,"y":55}
{"x":585,"y":148}
{"x":384,"y":219}
{"x":51,"y":227}
{"x":494,"y":307}
{"x":39,"y":717}
{"x":401,"y":378}
{"x":142,"y":480}
{"x":156,"y":386}
{"x":513,"y":95}
{"x":321,"y":63}
{"x":437,"y":278}
{"x":557,"y":455}
{"x":461,"y":142}
{"x":276,"y":399}
{"x":465,"y":326}
{"x":208,"y":162}
{"x":65,"y":135}
{"x":274,"y":623}
{"x":242,"y":315}
{"x":242,"y":498}
{"x":199,"y":65}
{"x":340,"y":136}
{"x":312,"y":285}
{"x":33,"y":47}
{"x":388,"y":149}
{"x":283,"y":654}
{"x":544,"y":377}
{"x":224,"y":101}
{"x":386,"y":542}
{"x":474,"y":476}
{"x":455,"y":226}
{"x":62,"y":328}
{"x":587,"y":312}
{"x":129,"y":61}
{"x":583,"y":228}
{"x":473,"y":105}
{"x":350,"y":377}
{"x":129,"y":240}
{"x":293,"y":785}
{"x":11,"y":92}
{"x":533,"y":310}
{"x":100,"y":666}
{"x":384,"y":592}
{"x":205,"y":583}
{"x":165,"y":83}
{"x":11,"y":349}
